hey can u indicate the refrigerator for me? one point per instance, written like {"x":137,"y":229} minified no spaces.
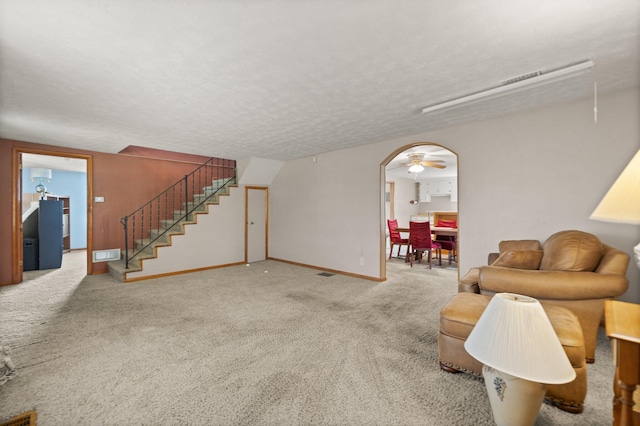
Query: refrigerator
{"x":50,"y":244}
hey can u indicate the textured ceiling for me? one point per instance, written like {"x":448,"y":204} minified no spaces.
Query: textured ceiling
{"x":287,"y":79}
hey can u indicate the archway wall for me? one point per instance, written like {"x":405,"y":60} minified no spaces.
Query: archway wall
{"x":525,"y":175}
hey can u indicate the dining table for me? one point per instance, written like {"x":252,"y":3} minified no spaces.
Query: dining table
{"x":439,"y":230}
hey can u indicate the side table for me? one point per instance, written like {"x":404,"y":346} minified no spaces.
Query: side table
{"x":623,"y":327}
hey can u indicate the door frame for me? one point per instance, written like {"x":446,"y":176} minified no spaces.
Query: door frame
{"x":246,"y":220}
{"x":382,"y":211}
{"x":16,"y":200}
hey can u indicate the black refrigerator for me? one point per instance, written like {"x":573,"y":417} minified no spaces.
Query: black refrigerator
{"x":50,"y":234}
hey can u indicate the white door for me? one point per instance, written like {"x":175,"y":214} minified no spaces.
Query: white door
{"x":256,"y":224}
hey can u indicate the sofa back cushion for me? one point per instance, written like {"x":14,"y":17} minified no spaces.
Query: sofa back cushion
{"x":519,"y":245}
{"x":519,"y":259}
{"x":572,"y":251}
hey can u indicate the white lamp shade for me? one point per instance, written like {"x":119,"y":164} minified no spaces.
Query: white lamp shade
{"x":514,"y":335}
{"x":40,"y":173}
{"x":622,"y":201}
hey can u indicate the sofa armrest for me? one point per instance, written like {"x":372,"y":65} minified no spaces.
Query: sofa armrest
{"x":492,"y":258}
{"x":469,"y":283}
{"x":613,"y":261}
{"x":554,"y":285}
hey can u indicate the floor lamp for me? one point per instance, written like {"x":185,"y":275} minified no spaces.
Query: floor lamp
{"x":521,"y":353}
{"x":621,"y":203}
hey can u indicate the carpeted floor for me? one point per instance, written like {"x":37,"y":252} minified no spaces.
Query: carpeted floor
{"x":270,"y":343}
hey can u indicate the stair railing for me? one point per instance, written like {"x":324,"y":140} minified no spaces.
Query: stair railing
{"x":154,"y":219}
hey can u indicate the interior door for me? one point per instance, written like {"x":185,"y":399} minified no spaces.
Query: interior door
{"x":256,"y":226}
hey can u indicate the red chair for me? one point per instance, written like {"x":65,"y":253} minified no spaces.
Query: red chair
{"x":448,"y":242}
{"x":394,"y":237}
{"x":420,"y":241}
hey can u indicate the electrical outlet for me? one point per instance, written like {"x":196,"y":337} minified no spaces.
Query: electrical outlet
{"x":361,"y":261}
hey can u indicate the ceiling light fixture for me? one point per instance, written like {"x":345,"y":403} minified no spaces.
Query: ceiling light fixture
{"x":515,"y":85}
{"x":416,"y":168}
{"x":43,"y":176}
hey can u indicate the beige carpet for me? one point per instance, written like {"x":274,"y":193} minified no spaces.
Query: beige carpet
{"x":266,"y":344}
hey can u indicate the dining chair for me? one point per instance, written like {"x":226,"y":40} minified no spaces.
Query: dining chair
{"x":420,"y":241}
{"x":448,"y":242}
{"x":395,"y":238}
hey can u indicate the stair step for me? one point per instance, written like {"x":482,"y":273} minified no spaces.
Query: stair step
{"x":149,"y":246}
{"x":172,"y":229}
{"x":168,"y":223}
{"x":216,"y":188}
{"x":209,"y":198}
{"x":178,"y":216}
{"x":159,"y":235}
{"x":199,"y":208}
{"x":117,"y":269}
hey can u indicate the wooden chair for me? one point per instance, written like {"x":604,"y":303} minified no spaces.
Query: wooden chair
{"x":420,"y":242}
{"x":448,"y":242}
{"x":395,"y":238}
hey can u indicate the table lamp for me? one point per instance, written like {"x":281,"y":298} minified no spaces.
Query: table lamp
{"x":521,"y":353}
{"x":621,"y":203}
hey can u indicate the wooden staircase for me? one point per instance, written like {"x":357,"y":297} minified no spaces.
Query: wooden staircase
{"x":170,"y":227}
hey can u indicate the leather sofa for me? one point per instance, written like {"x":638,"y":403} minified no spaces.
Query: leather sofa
{"x":573,"y":269}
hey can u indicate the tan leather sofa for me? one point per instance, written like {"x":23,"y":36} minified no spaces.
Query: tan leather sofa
{"x":573,"y":269}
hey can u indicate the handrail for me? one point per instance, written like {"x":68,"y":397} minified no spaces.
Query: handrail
{"x":156,"y":217}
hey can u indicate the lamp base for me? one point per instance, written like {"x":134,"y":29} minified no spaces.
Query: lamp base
{"x":514,"y":401}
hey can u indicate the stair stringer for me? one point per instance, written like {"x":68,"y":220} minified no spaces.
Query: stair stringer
{"x":215,"y":238}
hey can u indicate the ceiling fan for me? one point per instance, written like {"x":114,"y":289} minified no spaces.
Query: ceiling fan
{"x":417,"y":163}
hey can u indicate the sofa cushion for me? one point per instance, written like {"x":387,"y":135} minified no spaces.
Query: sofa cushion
{"x":519,"y":245}
{"x":461,"y":314}
{"x":519,"y":259}
{"x":572,"y":251}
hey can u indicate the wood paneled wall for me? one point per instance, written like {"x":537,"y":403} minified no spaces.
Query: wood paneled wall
{"x":126,"y":182}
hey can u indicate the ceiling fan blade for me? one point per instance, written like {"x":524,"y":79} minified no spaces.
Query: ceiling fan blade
{"x":434,"y":164}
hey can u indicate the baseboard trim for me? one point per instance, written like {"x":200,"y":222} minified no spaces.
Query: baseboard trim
{"x":335,"y":271}
{"x":186,"y":271}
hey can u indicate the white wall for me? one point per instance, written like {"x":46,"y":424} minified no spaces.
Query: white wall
{"x":329,"y":213}
{"x":438,"y":204}
{"x":405,"y":190}
{"x":525,"y":175}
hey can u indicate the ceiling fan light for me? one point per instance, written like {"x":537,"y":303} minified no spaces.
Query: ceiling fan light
{"x":416,"y":168}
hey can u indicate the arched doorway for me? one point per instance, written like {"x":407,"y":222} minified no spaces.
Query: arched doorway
{"x":424,"y":193}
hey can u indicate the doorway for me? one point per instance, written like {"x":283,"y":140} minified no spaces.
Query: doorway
{"x":256,"y":223}
{"x":419,"y":180}
{"x":62,"y":174}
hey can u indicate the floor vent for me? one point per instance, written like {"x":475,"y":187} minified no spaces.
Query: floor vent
{"x":326,"y":274}
{"x":106,"y":255}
